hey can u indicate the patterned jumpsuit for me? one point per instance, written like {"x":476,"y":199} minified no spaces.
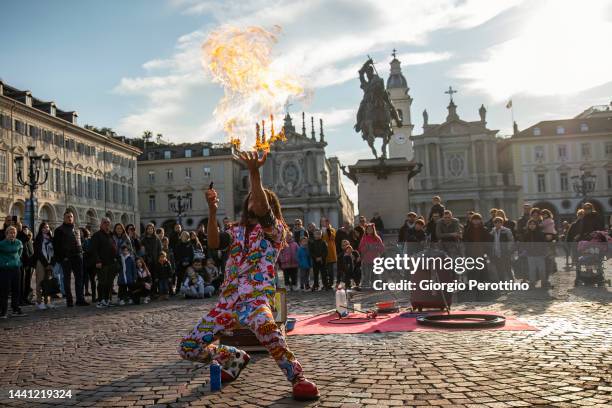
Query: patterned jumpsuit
{"x":245,"y":297}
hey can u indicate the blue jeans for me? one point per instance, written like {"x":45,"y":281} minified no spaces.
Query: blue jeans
{"x":163,"y":286}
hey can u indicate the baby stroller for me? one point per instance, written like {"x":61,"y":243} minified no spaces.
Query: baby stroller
{"x":591,"y":257}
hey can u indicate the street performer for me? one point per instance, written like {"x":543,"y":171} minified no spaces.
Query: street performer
{"x":249,"y":286}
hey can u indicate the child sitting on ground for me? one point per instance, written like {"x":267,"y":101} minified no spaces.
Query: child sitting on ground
{"x":193,"y":287}
{"x":199,"y":268}
{"x":216,"y":278}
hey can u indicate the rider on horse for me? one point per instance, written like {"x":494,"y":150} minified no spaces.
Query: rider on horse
{"x":376,"y":110}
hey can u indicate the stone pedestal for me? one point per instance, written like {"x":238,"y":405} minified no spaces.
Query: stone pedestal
{"x":382,"y":187}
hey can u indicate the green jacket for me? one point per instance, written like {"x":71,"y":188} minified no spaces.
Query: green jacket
{"x":10,"y":254}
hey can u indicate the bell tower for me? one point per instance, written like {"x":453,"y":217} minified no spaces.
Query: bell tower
{"x":400,"y":144}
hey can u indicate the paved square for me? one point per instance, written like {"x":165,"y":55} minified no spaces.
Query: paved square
{"x":126,"y":356}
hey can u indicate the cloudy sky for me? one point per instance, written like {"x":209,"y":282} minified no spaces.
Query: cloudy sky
{"x":136,"y":65}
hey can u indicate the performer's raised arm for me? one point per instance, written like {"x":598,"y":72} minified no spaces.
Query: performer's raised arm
{"x":213,"y":227}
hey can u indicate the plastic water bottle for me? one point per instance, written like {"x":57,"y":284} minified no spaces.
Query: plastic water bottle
{"x":215,"y":376}
{"x":341,"y":301}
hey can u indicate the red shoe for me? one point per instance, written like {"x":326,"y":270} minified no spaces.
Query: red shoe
{"x":239,"y":363}
{"x":304,"y":390}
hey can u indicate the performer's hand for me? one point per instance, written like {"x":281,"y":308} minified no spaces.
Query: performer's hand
{"x":252,"y":160}
{"x":211,"y":199}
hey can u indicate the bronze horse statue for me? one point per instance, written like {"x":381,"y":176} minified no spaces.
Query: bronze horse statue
{"x":375,"y":110}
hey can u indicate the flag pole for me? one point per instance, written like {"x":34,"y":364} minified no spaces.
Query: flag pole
{"x":510,"y":105}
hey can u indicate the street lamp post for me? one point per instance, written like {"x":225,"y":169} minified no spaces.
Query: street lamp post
{"x":38,"y":171}
{"x":181,"y":204}
{"x":584,"y":184}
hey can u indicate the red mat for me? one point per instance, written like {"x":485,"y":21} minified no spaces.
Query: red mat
{"x":392,"y":322}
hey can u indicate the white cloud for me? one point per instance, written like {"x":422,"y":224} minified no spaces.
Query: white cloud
{"x":418,"y":58}
{"x":324,"y":42}
{"x":332,"y":118}
{"x":332,"y":75}
{"x":560,"y":49}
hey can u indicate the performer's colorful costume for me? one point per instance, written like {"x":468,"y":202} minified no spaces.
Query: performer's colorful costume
{"x":245,"y":297}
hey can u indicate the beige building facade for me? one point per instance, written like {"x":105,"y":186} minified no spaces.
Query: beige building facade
{"x":307,"y":182}
{"x":547,"y":155}
{"x":188,"y":169}
{"x":92,"y":174}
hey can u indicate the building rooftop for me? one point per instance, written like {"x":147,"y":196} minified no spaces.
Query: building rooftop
{"x":47,"y":107}
{"x":596,"y":111}
{"x":50,"y":108}
{"x":574,"y":126}
{"x":166,"y":151}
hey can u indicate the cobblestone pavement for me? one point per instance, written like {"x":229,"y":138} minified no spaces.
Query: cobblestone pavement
{"x":126,"y":356}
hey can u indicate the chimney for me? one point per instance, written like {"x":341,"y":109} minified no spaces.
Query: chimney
{"x":24,"y":97}
{"x":68,"y":116}
{"x":1,"y":87}
{"x":47,"y":107}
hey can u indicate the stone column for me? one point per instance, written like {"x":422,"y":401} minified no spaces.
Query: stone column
{"x":333,"y":217}
{"x":315,"y":216}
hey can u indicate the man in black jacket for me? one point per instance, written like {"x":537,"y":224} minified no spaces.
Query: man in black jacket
{"x":104,"y":253}
{"x":590,"y":222}
{"x":68,"y":250}
{"x":318,"y":253}
{"x":521,"y":223}
{"x":406,"y":231}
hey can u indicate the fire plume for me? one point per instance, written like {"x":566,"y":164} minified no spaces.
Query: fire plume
{"x":255,"y":86}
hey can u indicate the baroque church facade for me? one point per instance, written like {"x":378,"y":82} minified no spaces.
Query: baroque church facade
{"x":307,"y":182}
{"x":466,"y":164}
{"x":463,"y":161}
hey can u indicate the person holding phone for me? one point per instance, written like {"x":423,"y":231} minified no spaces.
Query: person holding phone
{"x":249,"y":286}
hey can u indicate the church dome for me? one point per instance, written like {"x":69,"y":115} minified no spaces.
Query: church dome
{"x":396,"y":78}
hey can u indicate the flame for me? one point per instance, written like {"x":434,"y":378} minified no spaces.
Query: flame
{"x":254,"y":85}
